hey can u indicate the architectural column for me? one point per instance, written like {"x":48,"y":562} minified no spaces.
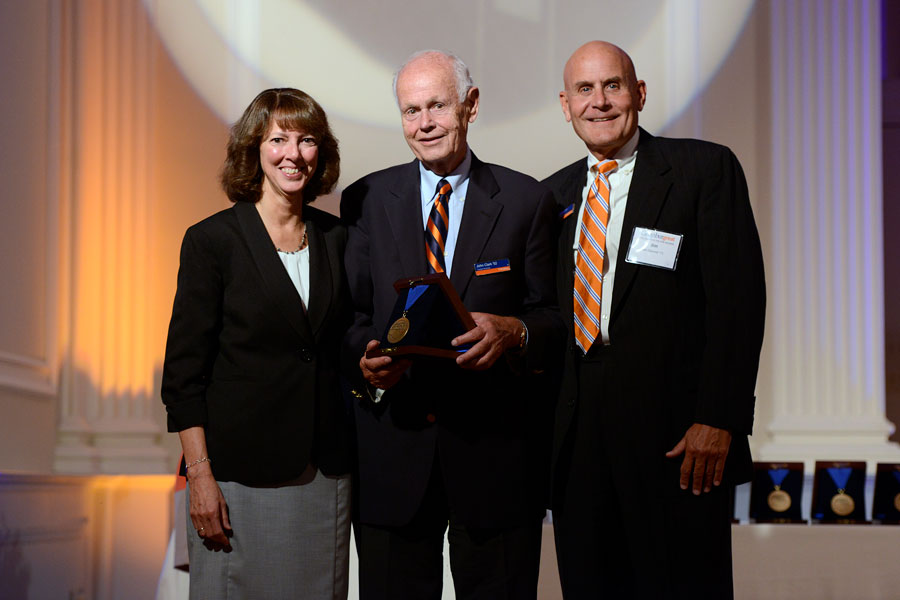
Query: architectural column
{"x":106,"y":388}
{"x":825,"y":331}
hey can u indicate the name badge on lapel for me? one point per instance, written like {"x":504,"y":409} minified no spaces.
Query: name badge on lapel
{"x":654,"y":248}
{"x":492,"y":266}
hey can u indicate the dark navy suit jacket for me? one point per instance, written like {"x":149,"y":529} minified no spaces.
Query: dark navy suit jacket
{"x":684,"y":343}
{"x":491,"y":429}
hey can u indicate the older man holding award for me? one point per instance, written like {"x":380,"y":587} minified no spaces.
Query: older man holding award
{"x":453,"y":426}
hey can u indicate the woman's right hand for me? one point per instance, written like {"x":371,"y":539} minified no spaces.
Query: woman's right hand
{"x":209,"y":513}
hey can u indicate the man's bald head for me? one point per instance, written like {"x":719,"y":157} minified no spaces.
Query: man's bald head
{"x":594,"y":48}
{"x":602,"y":97}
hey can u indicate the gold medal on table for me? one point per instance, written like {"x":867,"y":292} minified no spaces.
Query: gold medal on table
{"x":779,"y":500}
{"x":398,"y":330}
{"x":842,"y":504}
{"x":897,"y":501}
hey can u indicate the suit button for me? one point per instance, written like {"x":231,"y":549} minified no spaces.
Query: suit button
{"x":571,"y":401}
{"x":307,"y":355}
{"x":430,"y":418}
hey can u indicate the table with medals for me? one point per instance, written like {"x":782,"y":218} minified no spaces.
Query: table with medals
{"x":813,"y":537}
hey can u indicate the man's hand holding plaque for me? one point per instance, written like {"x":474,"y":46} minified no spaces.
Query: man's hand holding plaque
{"x":382,"y":371}
{"x":492,"y":336}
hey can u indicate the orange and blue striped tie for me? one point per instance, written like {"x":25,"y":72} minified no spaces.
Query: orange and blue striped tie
{"x":436,"y":229}
{"x":589,"y":263}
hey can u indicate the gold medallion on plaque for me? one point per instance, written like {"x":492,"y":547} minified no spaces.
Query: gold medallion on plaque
{"x":897,"y":501}
{"x":779,"y":500}
{"x":398,"y":330}
{"x":842,"y":504}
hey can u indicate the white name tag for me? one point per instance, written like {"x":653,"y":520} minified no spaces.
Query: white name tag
{"x":654,"y":248}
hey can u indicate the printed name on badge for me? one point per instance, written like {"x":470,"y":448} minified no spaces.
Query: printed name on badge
{"x":492,"y":266}
{"x":654,"y":248}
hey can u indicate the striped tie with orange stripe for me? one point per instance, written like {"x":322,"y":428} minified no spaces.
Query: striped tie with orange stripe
{"x":589,"y":263}
{"x":436,"y":229}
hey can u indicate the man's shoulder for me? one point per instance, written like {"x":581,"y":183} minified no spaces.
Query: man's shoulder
{"x":382,"y":176}
{"x":375,"y":184}
{"x":560,"y":177}
{"x":356,"y":198}
{"x":688,"y":150}
{"x":694,"y":164}
{"x":324,"y":220}
{"x":692,"y":160}
{"x":507,"y":175}
{"x":512,"y":188}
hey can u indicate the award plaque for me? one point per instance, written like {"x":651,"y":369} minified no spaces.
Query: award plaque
{"x":775,"y":492}
{"x":838,"y":495}
{"x":886,"y":503}
{"x":427,"y":316}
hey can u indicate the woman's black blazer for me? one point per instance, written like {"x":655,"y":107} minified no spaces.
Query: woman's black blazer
{"x":247,"y":362}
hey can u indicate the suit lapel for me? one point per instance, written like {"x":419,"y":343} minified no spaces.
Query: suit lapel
{"x":321,"y":282}
{"x":571,"y":192}
{"x":479,"y":216}
{"x":650,"y":185}
{"x":276,"y":282}
{"x":404,"y":213}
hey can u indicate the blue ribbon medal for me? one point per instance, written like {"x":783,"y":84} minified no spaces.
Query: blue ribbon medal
{"x":842,"y":504}
{"x":778,"y":499}
{"x":400,"y":327}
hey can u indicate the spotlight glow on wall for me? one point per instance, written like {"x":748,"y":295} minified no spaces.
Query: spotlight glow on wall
{"x":223,"y":46}
{"x":344,"y":54}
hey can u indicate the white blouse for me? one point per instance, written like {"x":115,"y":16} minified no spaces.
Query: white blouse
{"x":297,"y":266}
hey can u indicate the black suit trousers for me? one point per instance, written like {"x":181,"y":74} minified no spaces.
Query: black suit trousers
{"x":617,"y":537}
{"x":406,"y":563}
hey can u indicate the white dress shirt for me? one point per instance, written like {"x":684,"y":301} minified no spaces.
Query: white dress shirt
{"x":619,"y":182}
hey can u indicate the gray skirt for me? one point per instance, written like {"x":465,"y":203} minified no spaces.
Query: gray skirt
{"x":290,"y":541}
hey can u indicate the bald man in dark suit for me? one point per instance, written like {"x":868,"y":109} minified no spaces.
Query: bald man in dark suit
{"x":665,"y":314}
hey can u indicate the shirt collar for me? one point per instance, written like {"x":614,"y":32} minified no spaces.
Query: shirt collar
{"x":624,"y":157}
{"x":429,"y":180}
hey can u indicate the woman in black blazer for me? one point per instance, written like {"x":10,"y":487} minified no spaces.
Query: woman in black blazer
{"x":251,"y":380}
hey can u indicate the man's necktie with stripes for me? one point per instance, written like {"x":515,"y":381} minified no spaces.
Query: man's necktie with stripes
{"x":437,"y":227}
{"x":589,"y":263}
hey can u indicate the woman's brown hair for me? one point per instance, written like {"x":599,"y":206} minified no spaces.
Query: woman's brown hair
{"x":293,"y":110}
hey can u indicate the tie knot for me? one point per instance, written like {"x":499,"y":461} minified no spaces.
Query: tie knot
{"x":602,"y":168}
{"x":443,"y":188}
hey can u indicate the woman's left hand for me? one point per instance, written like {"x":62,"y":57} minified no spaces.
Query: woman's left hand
{"x":209,"y":513}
